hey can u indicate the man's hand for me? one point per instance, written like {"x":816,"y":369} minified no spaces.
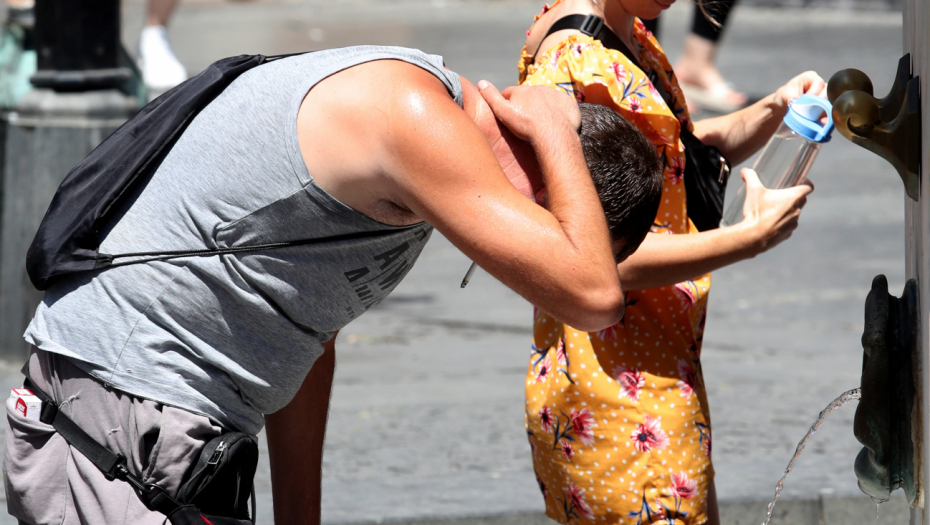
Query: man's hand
{"x":533,"y":113}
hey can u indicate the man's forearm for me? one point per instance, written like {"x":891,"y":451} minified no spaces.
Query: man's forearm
{"x":573,"y":201}
{"x":295,"y":445}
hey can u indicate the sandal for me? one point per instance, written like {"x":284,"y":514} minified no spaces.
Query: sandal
{"x":715,"y":98}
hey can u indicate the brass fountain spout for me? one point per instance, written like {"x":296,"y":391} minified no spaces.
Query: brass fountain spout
{"x":889,"y":127}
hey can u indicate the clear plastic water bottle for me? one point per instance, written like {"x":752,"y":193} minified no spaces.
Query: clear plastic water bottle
{"x":790,"y":152}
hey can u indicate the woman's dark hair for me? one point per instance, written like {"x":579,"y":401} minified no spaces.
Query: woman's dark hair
{"x":626,"y":172}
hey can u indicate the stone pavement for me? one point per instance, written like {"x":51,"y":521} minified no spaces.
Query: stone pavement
{"x":426,"y":420}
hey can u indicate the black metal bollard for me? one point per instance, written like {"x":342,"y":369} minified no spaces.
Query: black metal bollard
{"x":86,"y":87}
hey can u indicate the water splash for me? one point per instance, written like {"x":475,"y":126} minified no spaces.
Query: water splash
{"x":836,"y":403}
{"x":878,"y":503}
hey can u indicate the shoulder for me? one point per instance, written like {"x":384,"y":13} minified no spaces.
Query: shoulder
{"x":536,"y":40}
{"x":373,"y":94}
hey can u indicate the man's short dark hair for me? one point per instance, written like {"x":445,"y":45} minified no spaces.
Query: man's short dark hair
{"x":626,"y":171}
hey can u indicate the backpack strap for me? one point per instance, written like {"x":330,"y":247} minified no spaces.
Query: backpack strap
{"x":105,"y":260}
{"x":594,"y":27}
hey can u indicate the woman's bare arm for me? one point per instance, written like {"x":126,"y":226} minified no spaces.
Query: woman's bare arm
{"x":770,"y":218}
{"x":742,"y":133}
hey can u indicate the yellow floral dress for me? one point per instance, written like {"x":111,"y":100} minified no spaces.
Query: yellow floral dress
{"x":618,"y":420}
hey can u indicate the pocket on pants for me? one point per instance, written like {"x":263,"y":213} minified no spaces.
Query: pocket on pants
{"x":180,"y":439}
{"x":34,"y":469}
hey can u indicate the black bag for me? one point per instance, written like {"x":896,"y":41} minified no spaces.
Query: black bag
{"x":221,"y":480}
{"x":706,"y":169}
{"x":68,"y":238}
{"x":706,"y":176}
{"x":217,"y":488}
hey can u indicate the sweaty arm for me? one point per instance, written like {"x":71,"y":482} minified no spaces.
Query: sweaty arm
{"x":559,"y":259}
{"x":771,"y":216}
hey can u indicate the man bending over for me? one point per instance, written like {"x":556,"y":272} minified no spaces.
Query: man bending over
{"x":153,"y":360}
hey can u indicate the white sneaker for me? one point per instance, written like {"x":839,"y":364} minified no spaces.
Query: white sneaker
{"x":161,"y":70}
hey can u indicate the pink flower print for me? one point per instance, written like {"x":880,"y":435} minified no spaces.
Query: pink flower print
{"x":583,"y":424}
{"x":608,"y":334}
{"x":635,"y":105}
{"x":677,"y":165}
{"x":660,"y":513}
{"x":705,"y":438}
{"x":619,"y":71}
{"x":576,"y":496}
{"x":579,"y":92}
{"x":682,"y":486}
{"x":655,"y":93}
{"x":693,"y":350}
{"x":554,"y":61}
{"x":579,"y":48}
{"x":567,"y":449}
{"x":631,"y":381}
{"x":544,"y":370}
{"x":545,"y":418}
{"x":560,"y":354}
{"x":688,"y":378}
{"x":649,"y":436}
{"x":688,"y":293}
{"x":648,"y":33}
{"x":536,"y":312}
{"x":542,"y":487}
{"x":702,"y":322}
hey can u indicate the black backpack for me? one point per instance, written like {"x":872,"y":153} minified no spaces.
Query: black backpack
{"x":68,"y":238}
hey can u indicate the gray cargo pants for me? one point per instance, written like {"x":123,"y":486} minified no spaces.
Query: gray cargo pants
{"x":48,"y":482}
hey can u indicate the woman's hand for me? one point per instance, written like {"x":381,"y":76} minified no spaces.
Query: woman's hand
{"x":807,"y":82}
{"x":770,"y":216}
{"x":741,"y":133}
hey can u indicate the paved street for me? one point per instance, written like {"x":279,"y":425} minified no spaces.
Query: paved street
{"x":427,"y":410}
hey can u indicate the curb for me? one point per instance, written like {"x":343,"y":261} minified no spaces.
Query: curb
{"x":858,"y":510}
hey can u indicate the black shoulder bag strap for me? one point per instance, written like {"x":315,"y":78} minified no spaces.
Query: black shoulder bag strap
{"x":706,"y":169}
{"x":112,"y":465}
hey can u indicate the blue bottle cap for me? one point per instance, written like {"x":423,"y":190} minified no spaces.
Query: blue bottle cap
{"x":803,"y":118}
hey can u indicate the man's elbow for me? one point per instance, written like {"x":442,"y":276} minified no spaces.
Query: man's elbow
{"x":598,"y":309}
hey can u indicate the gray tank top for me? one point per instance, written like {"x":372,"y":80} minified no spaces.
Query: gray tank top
{"x":233,"y":336}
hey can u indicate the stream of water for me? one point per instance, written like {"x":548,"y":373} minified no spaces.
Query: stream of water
{"x":836,"y":403}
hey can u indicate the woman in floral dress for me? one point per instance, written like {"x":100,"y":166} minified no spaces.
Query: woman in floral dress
{"x":618,"y":420}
